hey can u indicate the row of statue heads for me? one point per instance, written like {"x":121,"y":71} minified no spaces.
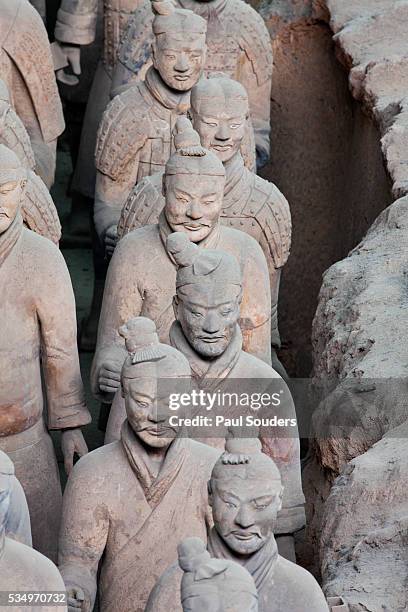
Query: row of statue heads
{"x":157,"y":518}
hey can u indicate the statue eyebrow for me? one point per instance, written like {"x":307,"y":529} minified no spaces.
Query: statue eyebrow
{"x":145,"y":395}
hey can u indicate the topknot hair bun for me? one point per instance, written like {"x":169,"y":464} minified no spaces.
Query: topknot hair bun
{"x":191,"y":554}
{"x":183,"y":251}
{"x":186,"y":139}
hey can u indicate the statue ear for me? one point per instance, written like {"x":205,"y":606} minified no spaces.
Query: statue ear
{"x":154,"y":53}
{"x":210,"y":493}
{"x":175,"y":306}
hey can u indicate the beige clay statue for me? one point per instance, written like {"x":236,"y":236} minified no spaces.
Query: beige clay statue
{"x":17,"y":525}
{"x":219,"y":585}
{"x":23,"y":569}
{"x":38,"y":209}
{"x":209,"y":291}
{"x":245,"y":493}
{"x":75,"y":27}
{"x":26,"y":65}
{"x":219,"y":111}
{"x":38,"y":336}
{"x":135,"y":135}
{"x":142,"y":275}
{"x":132,"y":501}
{"x":238,"y":43}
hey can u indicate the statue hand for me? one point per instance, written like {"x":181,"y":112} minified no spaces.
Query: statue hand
{"x":72,"y":441}
{"x":111,"y":238}
{"x":72,"y":54}
{"x":109,"y":376}
{"x":76,"y":599}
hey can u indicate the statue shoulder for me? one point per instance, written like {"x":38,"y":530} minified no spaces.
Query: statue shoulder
{"x":272,"y":212}
{"x":143,"y":205}
{"x":15,"y":136}
{"x":254,"y":38}
{"x":122,"y":132}
{"x":39,"y":211}
{"x":135,"y":48}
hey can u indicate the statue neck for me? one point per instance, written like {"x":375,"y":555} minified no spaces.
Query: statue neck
{"x":9,"y":238}
{"x":171,"y":99}
{"x":234,"y":168}
{"x":260,"y":564}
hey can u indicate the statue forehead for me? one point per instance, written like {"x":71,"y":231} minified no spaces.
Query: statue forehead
{"x":221,"y":93}
{"x":210,"y":293}
{"x":196,"y":184}
{"x":246,"y":483}
{"x":181,"y":40}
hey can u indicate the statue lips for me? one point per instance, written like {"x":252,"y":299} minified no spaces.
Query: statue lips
{"x":211,"y":339}
{"x":245,"y":536}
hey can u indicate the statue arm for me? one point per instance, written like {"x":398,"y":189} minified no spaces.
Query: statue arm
{"x":256,"y":76}
{"x":256,"y":303}
{"x":110,"y":197}
{"x":57,"y":318}
{"x":76,"y":21}
{"x":84,"y":531}
{"x":122,"y":300}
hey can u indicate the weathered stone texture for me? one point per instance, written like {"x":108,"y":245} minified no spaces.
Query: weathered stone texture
{"x":360,"y":340}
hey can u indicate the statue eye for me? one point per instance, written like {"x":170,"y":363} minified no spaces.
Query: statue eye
{"x":182,"y":199}
{"x":230,"y":504}
{"x":170,"y":57}
{"x":235,"y":126}
{"x":211,"y":124}
{"x":227,"y":312}
{"x":197,"y":314}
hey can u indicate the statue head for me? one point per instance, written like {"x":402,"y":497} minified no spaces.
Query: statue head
{"x":13,"y":179}
{"x":179,"y":47}
{"x":193,"y":185}
{"x":6,"y":473}
{"x":245,"y":492}
{"x":219,"y":585}
{"x":208,"y":295}
{"x":220,"y":111}
{"x":146,"y":380}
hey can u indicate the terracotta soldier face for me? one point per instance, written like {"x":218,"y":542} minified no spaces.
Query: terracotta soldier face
{"x":147,"y":411}
{"x":227,"y":601}
{"x":208,"y":314}
{"x":245,"y":510}
{"x":193,"y":203}
{"x":10,"y":197}
{"x":221,"y":124}
{"x":179,"y":59}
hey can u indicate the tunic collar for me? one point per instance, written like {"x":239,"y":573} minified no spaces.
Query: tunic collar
{"x":153,"y":488}
{"x":10,"y":237}
{"x":211,"y":242}
{"x":261,"y":565}
{"x":207,"y":372}
{"x":169,"y":98}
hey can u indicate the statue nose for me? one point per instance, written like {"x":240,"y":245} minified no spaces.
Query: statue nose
{"x":182,"y":64}
{"x":211,"y":323}
{"x":222,"y":133}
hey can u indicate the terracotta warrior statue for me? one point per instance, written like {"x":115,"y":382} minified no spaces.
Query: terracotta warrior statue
{"x":38,"y":209}
{"x":17,"y":525}
{"x":38,"y":336}
{"x":209,"y":291}
{"x":245,"y":493}
{"x":132,"y":501}
{"x":142,"y":274}
{"x":76,"y":27}
{"x":213,"y":584}
{"x":238,"y":43}
{"x":21,"y":567}
{"x":219,"y":111}
{"x":26,"y":65}
{"x":135,"y":135}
